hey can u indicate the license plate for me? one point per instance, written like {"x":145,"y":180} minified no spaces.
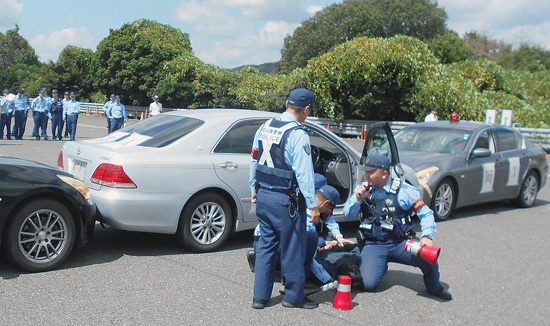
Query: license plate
{"x":79,"y":169}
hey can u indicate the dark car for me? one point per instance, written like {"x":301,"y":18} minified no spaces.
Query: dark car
{"x":44,"y":214}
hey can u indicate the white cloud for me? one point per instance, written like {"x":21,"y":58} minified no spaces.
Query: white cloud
{"x":207,"y":18}
{"x":314,"y":9}
{"x":11,"y":13}
{"x":49,"y":46}
{"x":273,"y":33}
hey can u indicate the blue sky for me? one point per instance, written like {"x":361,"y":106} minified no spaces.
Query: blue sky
{"x":231,"y":33}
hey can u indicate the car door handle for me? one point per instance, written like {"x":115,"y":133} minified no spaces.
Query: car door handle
{"x":229,"y":165}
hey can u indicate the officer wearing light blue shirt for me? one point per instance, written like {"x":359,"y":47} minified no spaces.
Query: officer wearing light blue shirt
{"x":70,"y":115}
{"x":106,"y":107}
{"x":386,"y":208}
{"x":41,"y":113}
{"x":281,"y":164}
{"x":117,"y":113}
{"x":6,"y":114}
{"x":21,"y":107}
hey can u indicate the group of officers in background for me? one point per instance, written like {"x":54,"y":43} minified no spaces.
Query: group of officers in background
{"x":60,"y":111}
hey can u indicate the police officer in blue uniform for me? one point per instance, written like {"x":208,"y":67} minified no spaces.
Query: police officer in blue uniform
{"x":57,"y":115}
{"x":117,"y":115}
{"x":6,"y":113}
{"x":41,"y":114}
{"x":282,"y":169}
{"x":70,"y":115}
{"x":21,"y":106}
{"x":106,"y":107}
{"x":386,"y":206}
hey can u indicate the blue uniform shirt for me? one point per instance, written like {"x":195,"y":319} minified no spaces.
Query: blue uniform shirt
{"x":71,"y":107}
{"x":107,"y":106}
{"x":407,"y":196}
{"x":117,"y":111}
{"x":7,"y":106}
{"x":41,"y":104}
{"x":297,"y":155}
{"x":21,"y":103}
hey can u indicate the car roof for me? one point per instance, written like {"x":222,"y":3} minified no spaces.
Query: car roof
{"x":223,"y":114}
{"x":464,"y":125}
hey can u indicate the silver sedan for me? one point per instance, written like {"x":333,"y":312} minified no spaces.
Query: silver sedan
{"x":186,"y":173}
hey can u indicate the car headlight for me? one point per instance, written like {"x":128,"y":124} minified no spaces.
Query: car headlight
{"x":424,"y":176}
{"x":80,"y":186}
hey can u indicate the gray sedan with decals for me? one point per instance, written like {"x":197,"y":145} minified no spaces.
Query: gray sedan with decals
{"x":467,"y":163}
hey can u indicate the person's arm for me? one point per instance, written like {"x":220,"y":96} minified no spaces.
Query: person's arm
{"x":410,"y":199}
{"x":352,"y":208}
{"x":253,"y":164}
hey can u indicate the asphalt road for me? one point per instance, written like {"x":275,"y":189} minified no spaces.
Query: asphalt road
{"x":494,"y":258}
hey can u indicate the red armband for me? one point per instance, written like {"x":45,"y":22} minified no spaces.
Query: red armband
{"x":418,"y":205}
{"x":255,"y":153}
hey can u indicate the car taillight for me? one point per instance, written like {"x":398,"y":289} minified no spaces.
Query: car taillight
{"x":60,"y":161}
{"x":113,"y":176}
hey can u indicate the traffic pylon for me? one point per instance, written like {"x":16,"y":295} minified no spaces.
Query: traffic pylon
{"x":141,"y":116}
{"x":428,"y":253}
{"x":328,"y":126}
{"x":342,"y":300}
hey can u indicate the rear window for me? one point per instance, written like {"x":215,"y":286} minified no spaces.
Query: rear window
{"x":162,"y":130}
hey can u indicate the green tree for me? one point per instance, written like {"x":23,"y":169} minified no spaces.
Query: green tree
{"x":530,"y":58}
{"x":340,"y":23}
{"x":369,"y":78}
{"x":19,"y":65}
{"x":450,"y":48}
{"x":129,"y":60}
{"x":72,"y":72}
{"x":484,"y":46}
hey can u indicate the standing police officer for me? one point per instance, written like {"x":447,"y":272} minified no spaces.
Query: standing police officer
{"x":41,"y":113}
{"x":66,"y":100}
{"x":386,"y":206}
{"x":70,"y":114}
{"x":283,"y":169}
{"x":117,"y":114}
{"x":21,"y":106}
{"x":106,"y":107}
{"x":57,"y":115}
{"x":7,"y":112}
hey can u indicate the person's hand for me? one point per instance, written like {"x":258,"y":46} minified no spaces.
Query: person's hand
{"x":362,"y":192}
{"x":253,"y":199}
{"x":315,"y":215}
{"x":342,"y":241}
{"x":330,"y":244}
{"x":426,"y":241}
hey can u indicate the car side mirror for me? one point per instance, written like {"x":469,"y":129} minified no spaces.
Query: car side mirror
{"x":481,"y":152}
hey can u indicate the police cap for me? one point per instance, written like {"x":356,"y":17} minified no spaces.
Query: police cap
{"x":376,"y":161}
{"x":330,"y":193}
{"x":301,"y":97}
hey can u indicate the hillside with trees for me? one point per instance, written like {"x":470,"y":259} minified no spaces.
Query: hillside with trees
{"x":394,"y":63}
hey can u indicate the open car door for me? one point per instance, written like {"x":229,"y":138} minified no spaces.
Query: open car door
{"x":380,"y":140}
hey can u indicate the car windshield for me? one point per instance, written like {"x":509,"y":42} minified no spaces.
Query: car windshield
{"x":162,"y":130}
{"x":433,"y":140}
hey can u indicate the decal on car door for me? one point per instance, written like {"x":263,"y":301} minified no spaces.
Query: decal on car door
{"x":513,"y":172}
{"x":488,"y":184}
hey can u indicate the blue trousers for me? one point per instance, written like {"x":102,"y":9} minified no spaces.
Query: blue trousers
{"x":72,"y":120}
{"x":374,"y":264}
{"x":279,"y":230}
{"x":311,"y":247}
{"x":20,"y":123}
{"x":57,"y":125}
{"x":116,"y":124}
{"x":40,"y":121}
{"x":6,"y":122}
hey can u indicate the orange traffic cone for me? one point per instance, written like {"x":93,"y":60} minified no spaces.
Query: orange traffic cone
{"x":141,"y":118}
{"x":428,"y":253}
{"x":328,"y":126}
{"x":342,"y":300}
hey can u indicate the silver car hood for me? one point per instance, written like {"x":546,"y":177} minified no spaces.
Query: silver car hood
{"x":420,"y":160}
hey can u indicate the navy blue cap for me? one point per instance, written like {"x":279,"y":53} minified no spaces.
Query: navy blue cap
{"x":73,"y":94}
{"x":54,"y":91}
{"x":22,"y":91}
{"x":156,"y":97}
{"x":66,"y":93}
{"x":6,"y":91}
{"x":376,"y":161}
{"x":330,"y":193}
{"x":42,"y":91}
{"x":301,"y":97}
{"x":117,"y":97}
{"x":112,"y":96}
{"x":320,"y":180}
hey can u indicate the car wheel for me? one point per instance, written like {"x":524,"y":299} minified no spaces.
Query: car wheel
{"x":528,"y":192}
{"x":443,"y":202}
{"x":40,"y":236}
{"x":206,"y":223}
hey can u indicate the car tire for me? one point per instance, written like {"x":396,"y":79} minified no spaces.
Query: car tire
{"x":444,"y":200}
{"x":528,"y":192}
{"x":206,"y":223}
{"x":40,"y":236}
